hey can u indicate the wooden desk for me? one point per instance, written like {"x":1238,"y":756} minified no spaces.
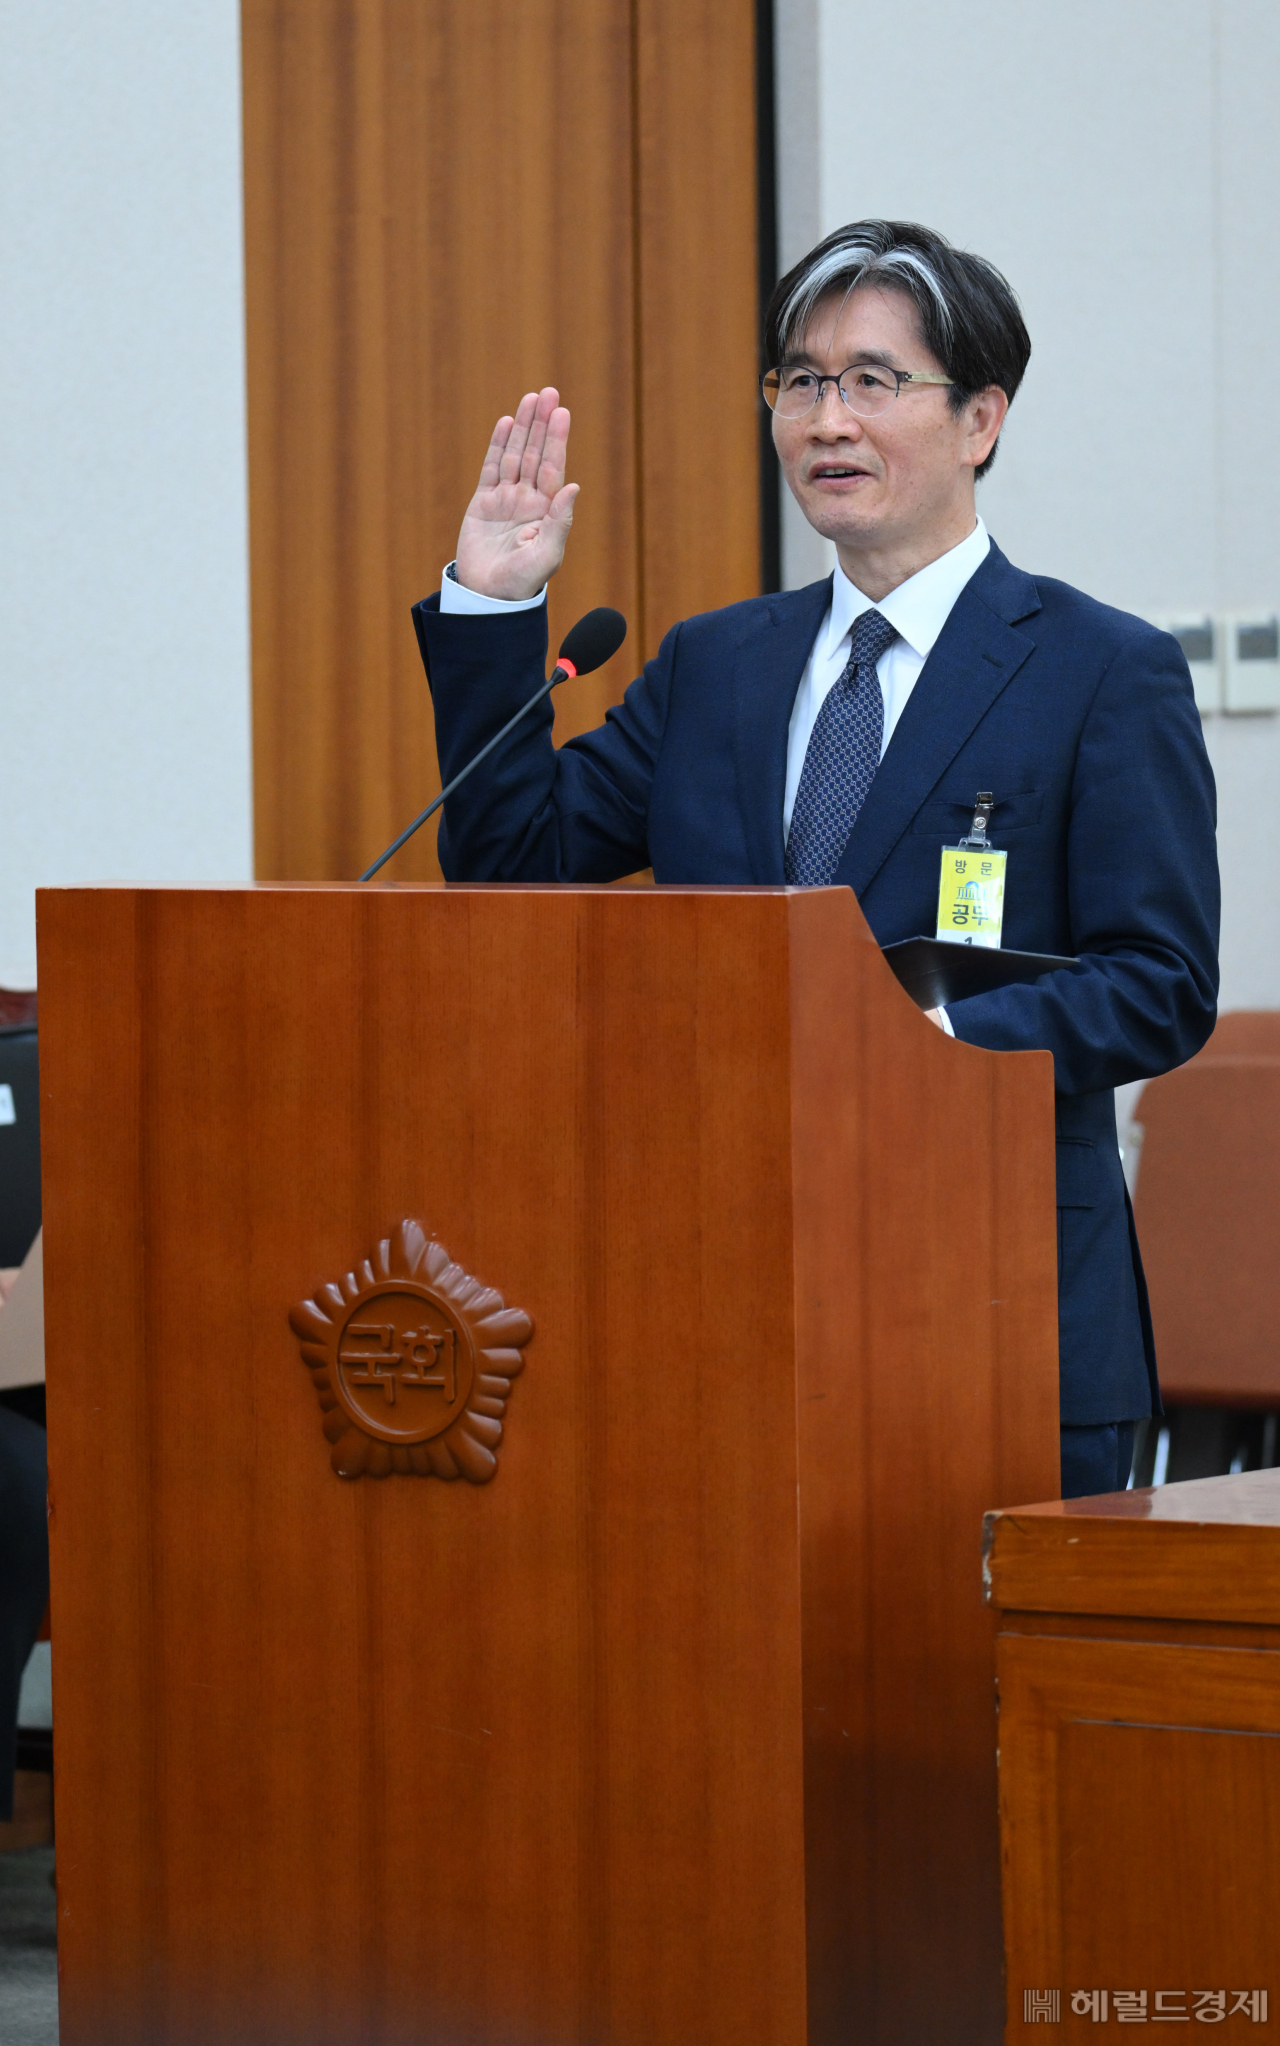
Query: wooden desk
{"x":1138,"y":1667}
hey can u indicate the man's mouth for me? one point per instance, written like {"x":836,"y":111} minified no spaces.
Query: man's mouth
{"x":836,"y":472}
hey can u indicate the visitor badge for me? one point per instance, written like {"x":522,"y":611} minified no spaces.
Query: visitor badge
{"x":971,"y":890}
{"x":971,"y":896}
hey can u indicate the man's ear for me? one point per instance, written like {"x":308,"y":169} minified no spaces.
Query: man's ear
{"x":985,"y":415}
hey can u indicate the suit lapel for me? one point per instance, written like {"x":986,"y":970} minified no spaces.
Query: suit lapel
{"x":767,"y":666}
{"x":975,"y":657}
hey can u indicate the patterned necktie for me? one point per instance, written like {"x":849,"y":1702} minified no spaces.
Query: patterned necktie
{"x":841,"y":759}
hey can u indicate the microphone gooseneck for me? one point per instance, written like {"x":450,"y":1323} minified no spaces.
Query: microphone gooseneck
{"x":586,"y":646}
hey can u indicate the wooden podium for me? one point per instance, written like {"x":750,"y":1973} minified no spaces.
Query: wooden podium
{"x":634,"y":1686}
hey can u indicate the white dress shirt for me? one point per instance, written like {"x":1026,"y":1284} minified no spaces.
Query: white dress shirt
{"x":455,"y":597}
{"x":918,"y":609}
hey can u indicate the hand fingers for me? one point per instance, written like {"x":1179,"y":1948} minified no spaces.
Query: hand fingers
{"x":517,"y":439}
{"x":555,"y":452}
{"x":531,"y":461}
{"x":518,"y":449}
{"x":490,"y":468}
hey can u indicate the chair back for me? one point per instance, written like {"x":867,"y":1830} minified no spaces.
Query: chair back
{"x":1208,"y":1215}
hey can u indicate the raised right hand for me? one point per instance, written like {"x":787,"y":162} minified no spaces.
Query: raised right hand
{"x":515,"y":528}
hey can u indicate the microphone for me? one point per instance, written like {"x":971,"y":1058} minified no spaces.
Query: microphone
{"x":586,"y":646}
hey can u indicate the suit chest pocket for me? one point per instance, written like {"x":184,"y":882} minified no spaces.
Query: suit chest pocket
{"x":947,"y":819}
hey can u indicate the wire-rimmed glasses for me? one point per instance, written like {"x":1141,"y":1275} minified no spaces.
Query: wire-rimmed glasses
{"x":865,"y":387}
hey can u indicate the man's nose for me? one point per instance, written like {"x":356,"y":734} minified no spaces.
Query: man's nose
{"x":832,"y":416}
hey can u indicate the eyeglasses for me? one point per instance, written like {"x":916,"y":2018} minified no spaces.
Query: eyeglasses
{"x":865,"y":387}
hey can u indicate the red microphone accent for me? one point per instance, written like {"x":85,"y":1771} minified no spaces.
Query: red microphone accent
{"x":565,"y":668}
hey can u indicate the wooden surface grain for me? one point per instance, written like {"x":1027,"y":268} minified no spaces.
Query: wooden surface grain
{"x":697,"y":325}
{"x":1205,"y":1550}
{"x":1141,"y":1627}
{"x":616,"y":1748}
{"x":1139,"y":1674}
{"x":447,"y":205}
{"x":927,"y":1380}
{"x":1140,"y":1814}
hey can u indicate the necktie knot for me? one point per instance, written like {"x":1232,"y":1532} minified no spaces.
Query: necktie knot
{"x":872,"y":635}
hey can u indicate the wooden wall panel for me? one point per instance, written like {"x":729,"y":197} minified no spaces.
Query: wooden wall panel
{"x":698,"y":440}
{"x":446,"y":204}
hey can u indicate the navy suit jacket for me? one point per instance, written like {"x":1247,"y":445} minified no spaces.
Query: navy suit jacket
{"x":1078,"y":718}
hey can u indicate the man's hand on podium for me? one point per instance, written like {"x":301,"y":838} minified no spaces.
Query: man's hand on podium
{"x":515,"y":528}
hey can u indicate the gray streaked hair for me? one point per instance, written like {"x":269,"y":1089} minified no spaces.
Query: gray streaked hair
{"x":970,"y":320}
{"x":849,"y":262}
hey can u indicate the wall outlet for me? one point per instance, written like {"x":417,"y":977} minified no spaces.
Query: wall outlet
{"x":1251,"y":676}
{"x":1201,"y":642}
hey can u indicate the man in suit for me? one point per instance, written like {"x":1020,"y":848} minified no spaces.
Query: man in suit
{"x":842,"y":733}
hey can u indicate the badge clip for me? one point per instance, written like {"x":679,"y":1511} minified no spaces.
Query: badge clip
{"x":977,"y":832}
{"x":971,"y":885}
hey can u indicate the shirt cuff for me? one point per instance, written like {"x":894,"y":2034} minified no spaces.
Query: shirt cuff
{"x":458,"y":599}
{"x":945,"y":1021}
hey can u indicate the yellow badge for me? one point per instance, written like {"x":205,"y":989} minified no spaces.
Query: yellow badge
{"x":971,"y":895}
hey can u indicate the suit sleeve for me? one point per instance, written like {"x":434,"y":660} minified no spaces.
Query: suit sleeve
{"x":532,"y":812}
{"x":1142,"y":891}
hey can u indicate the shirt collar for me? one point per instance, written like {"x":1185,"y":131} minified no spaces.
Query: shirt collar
{"x":919,"y":608}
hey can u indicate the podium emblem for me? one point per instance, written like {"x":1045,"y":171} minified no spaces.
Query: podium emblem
{"x":412,"y":1361}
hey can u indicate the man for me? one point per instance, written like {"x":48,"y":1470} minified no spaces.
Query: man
{"x":842,"y":733}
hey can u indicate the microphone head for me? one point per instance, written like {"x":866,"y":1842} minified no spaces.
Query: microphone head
{"x":593,"y":640}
